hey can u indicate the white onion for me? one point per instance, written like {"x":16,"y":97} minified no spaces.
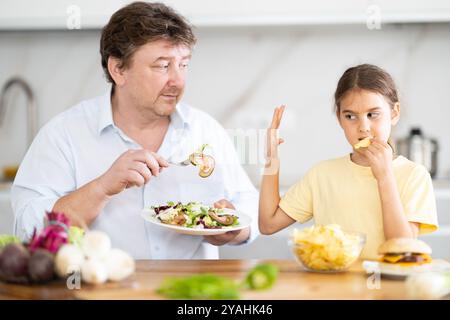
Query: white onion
{"x":96,"y":245}
{"x":68,"y":259}
{"x":94,"y":271}
{"x":427,"y":285}
{"x":119,"y":264}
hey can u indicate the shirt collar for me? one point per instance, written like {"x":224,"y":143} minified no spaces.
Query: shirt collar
{"x":179,"y":119}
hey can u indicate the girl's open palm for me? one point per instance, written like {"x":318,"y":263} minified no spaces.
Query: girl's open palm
{"x":273,"y":141}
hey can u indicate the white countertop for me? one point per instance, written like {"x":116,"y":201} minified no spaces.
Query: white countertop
{"x":441,"y":188}
{"x":438,"y":240}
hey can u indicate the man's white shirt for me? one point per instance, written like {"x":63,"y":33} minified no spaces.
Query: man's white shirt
{"x":80,"y":144}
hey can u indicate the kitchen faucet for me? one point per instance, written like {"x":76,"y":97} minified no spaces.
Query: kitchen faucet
{"x":31,"y":105}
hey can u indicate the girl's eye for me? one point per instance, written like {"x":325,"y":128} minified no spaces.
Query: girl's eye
{"x":373,"y":115}
{"x":350,"y":117}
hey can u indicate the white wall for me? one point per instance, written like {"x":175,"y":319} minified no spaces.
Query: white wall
{"x":59,"y":14}
{"x":239,"y":74}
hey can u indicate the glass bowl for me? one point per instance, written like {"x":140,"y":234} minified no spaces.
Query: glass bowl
{"x":328,"y":258}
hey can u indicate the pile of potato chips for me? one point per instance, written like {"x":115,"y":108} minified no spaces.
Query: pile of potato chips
{"x":327,"y":248}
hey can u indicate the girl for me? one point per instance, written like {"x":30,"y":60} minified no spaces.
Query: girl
{"x":369,"y":190}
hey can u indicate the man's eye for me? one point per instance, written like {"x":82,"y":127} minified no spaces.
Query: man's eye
{"x":161,"y":66}
{"x":184,"y":65}
{"x":373,"y":115}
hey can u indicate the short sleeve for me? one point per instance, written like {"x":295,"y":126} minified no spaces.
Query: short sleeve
{"x":298,"y":200}
{"x":419,"y":202}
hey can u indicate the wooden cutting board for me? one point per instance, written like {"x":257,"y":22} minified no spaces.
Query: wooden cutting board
{"x":292,"y":283}
{"x":58,"y":289}
{"x":53,"y":290}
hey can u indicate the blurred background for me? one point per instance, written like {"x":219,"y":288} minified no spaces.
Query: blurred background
{"x":251,"y":56}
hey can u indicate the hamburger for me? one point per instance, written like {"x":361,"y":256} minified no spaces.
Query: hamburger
{"x":405,"y":252}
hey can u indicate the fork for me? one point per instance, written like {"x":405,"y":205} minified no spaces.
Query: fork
{"x":182,"y":163}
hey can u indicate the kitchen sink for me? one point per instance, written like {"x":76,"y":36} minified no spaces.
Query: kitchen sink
{"x":6,"y":213}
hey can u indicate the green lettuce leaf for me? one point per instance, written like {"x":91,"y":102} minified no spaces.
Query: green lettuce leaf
{"x":210,"y":286}
{"x":6,"y":239}
{"x":199,"y":286}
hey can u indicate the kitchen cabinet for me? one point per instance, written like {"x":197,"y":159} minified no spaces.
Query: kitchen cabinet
{"x":85,"y":14}
{"x":292,"y":283}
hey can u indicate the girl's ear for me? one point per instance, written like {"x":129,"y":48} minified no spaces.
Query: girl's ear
{"x":395,"y":113}
{"x":116,"y":71}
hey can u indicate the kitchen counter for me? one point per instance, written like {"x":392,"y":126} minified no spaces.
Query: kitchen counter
{"x":292,"y":283}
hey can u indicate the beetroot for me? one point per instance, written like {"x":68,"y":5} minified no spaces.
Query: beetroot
{"x":34,"y":261}
{"x":14,"y":260}
{"x":41,"y":266}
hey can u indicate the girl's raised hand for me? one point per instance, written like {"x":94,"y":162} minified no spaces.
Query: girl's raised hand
{"x":273,"y":141}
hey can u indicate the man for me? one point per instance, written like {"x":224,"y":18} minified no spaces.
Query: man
{"x":104,"y":160}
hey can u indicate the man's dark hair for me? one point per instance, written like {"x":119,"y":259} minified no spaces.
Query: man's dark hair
{"x":137,"y":24}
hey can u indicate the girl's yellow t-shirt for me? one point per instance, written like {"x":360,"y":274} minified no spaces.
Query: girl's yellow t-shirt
{"x":338,"y":191}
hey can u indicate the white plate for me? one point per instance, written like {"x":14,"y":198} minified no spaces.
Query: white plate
{"x":394,"y":271}
{"x":244,"y":221}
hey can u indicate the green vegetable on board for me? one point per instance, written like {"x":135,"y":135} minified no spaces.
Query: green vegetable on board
{"x":210,"y":286}
{"x":76,"y":235}
{"x":263,"y":276}
{"x":6,"y":239}
{"x":199,"y":286}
